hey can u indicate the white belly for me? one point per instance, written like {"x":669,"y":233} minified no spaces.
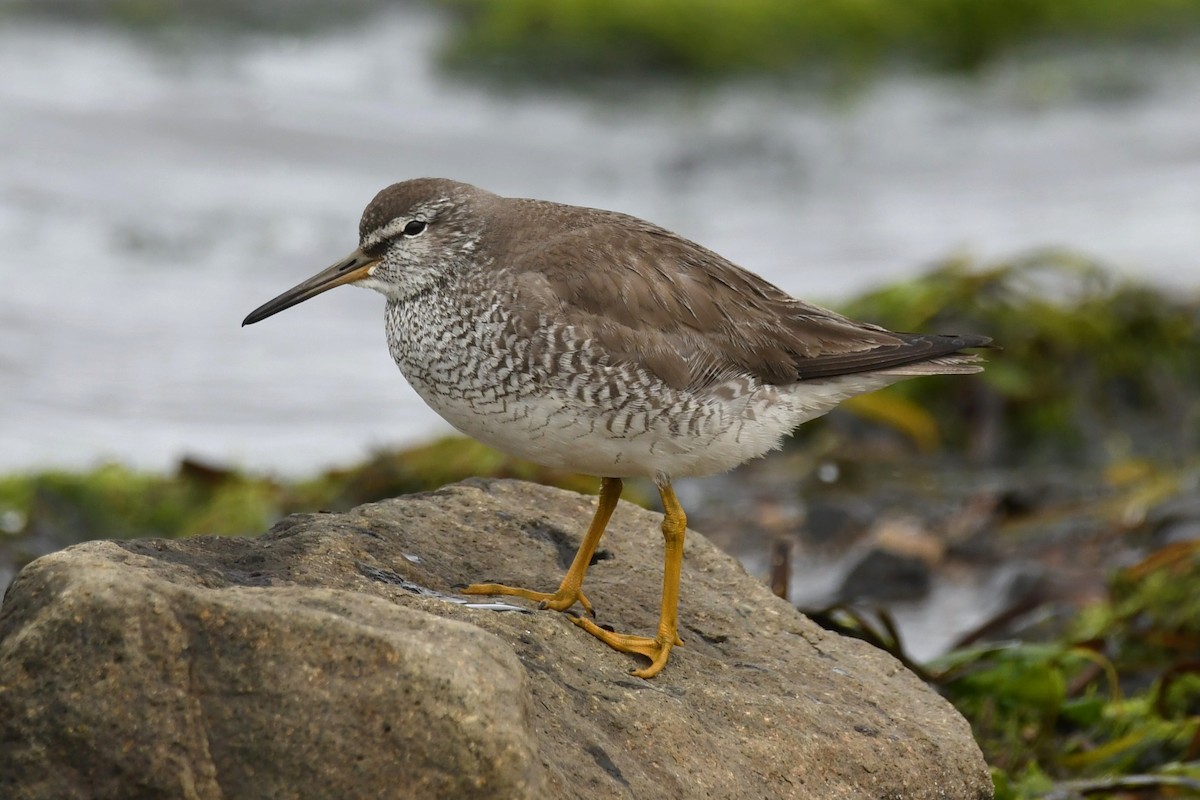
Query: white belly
{"x":583,"y":414}
{"x":700,"y":437}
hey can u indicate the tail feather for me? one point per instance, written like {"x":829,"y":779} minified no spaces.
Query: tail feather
{"x":958,"y":364}
{"x":916,"y":354}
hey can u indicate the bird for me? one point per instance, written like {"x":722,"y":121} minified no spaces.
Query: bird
{"x":597,"y":342}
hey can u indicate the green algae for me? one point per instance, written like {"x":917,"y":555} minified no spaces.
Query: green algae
{"x":586,"y":40}
{"x":578,"y":42}
{"x":113,"y":501}
{"x":1117,"y":697}
{"x":1091,"y":368}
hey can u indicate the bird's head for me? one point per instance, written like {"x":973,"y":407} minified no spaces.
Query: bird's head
{"x":411,"y":236}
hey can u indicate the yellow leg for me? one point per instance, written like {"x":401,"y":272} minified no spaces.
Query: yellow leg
{"x":571,"y":589}
{"x":657,"y":649}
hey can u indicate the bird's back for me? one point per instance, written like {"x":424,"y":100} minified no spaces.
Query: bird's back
{"x":685,"y":313}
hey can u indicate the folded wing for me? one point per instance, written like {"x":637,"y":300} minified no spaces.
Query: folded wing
{"x":695,"y":319}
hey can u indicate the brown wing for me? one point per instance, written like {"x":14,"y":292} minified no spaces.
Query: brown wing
{"x":695,"y":319}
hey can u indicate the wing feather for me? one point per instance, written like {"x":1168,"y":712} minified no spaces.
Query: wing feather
{"x":694,"y":319}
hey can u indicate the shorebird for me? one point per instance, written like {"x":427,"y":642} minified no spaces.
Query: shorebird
{"x":597,"y":342}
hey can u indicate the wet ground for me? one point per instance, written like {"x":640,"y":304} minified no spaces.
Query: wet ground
{"x":950,"y":554}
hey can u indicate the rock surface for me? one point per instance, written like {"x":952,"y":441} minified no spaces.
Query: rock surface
{"x":327,"y":659}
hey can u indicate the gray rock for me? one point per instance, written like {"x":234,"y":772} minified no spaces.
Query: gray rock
{"x":884,"y":576}
{"x":327,"y":659}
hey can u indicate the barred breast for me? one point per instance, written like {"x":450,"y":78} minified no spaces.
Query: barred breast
{"x":556,"y":399}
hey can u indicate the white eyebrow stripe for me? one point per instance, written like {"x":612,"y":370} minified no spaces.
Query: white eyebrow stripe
{"x":388,"y":231}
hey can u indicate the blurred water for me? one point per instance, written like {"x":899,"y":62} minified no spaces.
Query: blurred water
{"x":153,"y":191}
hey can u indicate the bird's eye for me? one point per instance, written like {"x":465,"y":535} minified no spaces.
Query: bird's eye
{"x":414,"y":228}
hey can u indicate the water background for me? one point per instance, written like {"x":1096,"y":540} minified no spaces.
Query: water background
{"x":153,"y":190}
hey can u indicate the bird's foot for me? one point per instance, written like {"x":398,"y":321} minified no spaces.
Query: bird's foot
{"x":557,"y":601}
{"x":657,"y":649}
